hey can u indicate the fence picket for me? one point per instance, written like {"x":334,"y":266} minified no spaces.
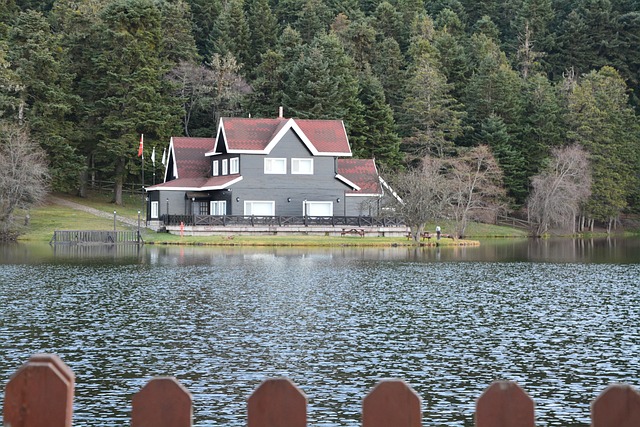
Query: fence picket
{"x":40,"y":394}
{"x":504,"y":404}
{"x":162,"y":402}
{"x":391,"y":403}
{"x":277,"y":402}
{"x":617,"y":406}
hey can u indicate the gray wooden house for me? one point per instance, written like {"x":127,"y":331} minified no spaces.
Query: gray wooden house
{"x":267,"y":167}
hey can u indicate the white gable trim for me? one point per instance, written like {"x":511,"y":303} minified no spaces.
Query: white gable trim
{"x":291,"y":124}
{"x":346,"y":181}
{"x":391,"y":190}
{"x":171,"y":155}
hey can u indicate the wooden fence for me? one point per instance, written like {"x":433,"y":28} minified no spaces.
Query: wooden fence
{"x":89,"y":237}
{"x":281,"y":221}
{"x":40,"y":394}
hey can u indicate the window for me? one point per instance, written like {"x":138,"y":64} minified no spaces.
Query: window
{"x":218,"y":207}
{"x":215,"y":168}
{"x":203,"y":209}
{"x":259,"y":208}
{"x":234,"y":165}
{"x":302,"y":166}
{"x":154,"y":210}
{"x":318,"y":208}
{"x":225,"y":169}
{"x":275,"y":166}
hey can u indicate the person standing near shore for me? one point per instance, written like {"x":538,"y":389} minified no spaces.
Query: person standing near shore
{"x":438,"y":232}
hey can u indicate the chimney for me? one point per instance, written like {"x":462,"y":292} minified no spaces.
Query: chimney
{"x":280,"y":112}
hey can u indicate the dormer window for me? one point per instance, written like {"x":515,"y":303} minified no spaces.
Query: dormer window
{"x":215,"y":170}
{"x":234,"y":165}
{"x":225,"y":167}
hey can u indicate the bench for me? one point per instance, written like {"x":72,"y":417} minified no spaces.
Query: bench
{"x":424,"y":236}
{"x":358,"y":231}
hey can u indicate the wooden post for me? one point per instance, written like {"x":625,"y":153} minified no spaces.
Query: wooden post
{"x":277,"y":402}
{"x":391,"y":403}
{"x":504,"y":404}
{"x":162,"y":402}
{"x":617,"y":406}
{"x":40,"y":394}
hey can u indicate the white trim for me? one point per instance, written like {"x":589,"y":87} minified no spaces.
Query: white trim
{"x":154,"y":209}
{"x":203,"y":188}
{"x":270,"y":202}
{"x":391,"y":190}
{"x":215,"y":168}
{"x":271,"y":161}
{"x":299,"y":160}
{"x":363,"y":195}
{"x":234,"y":161}
{"x":346,"y":181}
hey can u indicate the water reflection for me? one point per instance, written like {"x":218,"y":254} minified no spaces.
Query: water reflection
{"x":560,"y":318}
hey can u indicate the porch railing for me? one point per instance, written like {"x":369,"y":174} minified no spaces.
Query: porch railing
{"x":280,"y":221}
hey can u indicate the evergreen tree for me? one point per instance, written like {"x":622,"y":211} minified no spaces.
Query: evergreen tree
{"x":601,"y":120}
{"x":494,"y":133}
{"x":388,"y":66}
{"x":232,"y":35}
{"x":205,"y":15}
{"x":432,"y":118}
{"x":379,"y":138}
{"x":43,"y":95}
{"x":314,"y":19}
{"x":264,"y":32}
{"x":128,"y":87}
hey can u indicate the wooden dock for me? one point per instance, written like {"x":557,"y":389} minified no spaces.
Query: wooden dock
{"x":95,"y":237}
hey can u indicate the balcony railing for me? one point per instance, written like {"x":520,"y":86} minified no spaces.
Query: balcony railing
{"x":280,"y":221}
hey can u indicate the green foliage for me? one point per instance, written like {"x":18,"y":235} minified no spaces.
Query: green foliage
{"x":88,"y":76}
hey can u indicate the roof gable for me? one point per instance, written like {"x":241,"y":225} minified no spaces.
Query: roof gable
{"x":260,"y":136}
{"x":363,"y":173}
{"x":187,"y":156}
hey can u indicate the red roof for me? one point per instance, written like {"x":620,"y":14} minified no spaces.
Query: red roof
{"x":190,"y":156}
{"x":213,"y":183}
{"x":363,"y":173}
{"x":323,"y":137}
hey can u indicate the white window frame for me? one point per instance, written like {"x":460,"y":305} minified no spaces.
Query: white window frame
{"x":225,"y":167}
{"x":270,"y":164}
{"x":218,"y":207}
{"x":234,"y":165}
{"x":248,"y":204}
{"x":297,"y":170}
{"x":154,"y":210}
{"x":215,"y":168}
{"x":310,"y":203}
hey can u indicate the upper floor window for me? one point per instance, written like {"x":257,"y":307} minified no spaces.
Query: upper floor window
{"x":234,"y":165}
{"x":225,"y":166}
{"x":215,"y":168}
{"x":275,"y":165}
{"x":302,"y":166}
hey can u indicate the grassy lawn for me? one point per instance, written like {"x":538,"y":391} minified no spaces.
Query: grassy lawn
{"x":47,"y":218}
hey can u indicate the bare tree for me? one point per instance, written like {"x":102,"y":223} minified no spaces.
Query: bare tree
{"x":559,"y":190}
{"x":195,"y":84}
{"x":24,"y":177}
{"x":423,"y":195}
{"x":477,"y":188}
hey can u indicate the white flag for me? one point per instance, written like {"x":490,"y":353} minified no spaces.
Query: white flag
{"x":153,"y":156}
{"x":164,"y":157}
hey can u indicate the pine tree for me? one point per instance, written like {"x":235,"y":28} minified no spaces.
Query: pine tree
{"x":264,"y":32}
{"x":44,"y":101}
{"x":601,"y":120}
{"x":380,"y":139}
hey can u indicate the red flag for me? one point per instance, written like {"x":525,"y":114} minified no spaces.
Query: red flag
{"x":141,"y":144}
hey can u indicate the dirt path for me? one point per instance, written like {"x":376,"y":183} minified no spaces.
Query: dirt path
{"x":92,"y":211}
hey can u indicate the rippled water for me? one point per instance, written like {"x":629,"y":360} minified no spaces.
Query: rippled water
{"x":334,"y":321}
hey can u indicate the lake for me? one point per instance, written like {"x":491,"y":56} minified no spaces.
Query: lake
{"x":560,"y":317}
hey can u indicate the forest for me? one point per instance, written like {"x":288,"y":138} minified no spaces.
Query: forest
{"x":412,"y":80}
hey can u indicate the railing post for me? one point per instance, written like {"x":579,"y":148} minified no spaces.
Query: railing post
{"x":277,"y":402}
{"x":40,"y":394}
{"x":504,"y":404}
{"x":162,"y":402}
{"x":617,"y":406}
{"x":391,"y":403}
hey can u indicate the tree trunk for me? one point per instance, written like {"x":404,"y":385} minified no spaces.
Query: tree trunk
{"x":119,"y":179}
